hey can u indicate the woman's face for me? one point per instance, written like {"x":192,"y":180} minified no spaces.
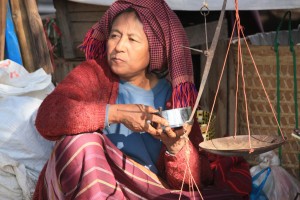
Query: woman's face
{"x":127,"y":47}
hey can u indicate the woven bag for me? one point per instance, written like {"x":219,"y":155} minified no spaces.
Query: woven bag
{"x":261,"y":118}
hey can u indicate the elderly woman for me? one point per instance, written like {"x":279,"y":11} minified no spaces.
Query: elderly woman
{"x":110,"y":140}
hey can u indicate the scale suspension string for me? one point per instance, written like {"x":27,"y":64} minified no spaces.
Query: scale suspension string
{"x":208,"y":61}
{"x":241,"y":39}
{"x":204,"y":12}
{"x":241,"y":34}
{"x":221,"y":75}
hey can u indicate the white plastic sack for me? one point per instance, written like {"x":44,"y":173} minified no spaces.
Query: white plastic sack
{"x":15,"y":182}
{"x":269,"y":38}
{"x":15,"y":80}
{"x":280,"y":184}
{"x":21,"y":94}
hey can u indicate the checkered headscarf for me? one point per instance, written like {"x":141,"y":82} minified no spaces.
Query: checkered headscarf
{"x":166,"y":37}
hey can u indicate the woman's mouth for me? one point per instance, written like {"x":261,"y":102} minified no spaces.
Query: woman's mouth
{"x":116,"y":59}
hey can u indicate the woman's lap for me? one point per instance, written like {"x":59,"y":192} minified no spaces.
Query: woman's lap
{"x":89,"y":166}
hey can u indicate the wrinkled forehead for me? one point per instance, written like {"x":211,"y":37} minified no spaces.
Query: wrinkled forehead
{"x":125,"y":15}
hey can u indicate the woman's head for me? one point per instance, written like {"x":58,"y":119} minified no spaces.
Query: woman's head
{"x":127,"y":46}
{"x":165,"y":36}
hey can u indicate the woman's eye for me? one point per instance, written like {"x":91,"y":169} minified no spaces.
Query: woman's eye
{"x":133,"y":40}
{"x":113,"y":35}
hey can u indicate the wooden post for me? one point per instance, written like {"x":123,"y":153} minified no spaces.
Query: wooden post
{"x":196,"y":35}
{"x":3,"y":8}
{"x":220,"y":109}
{"x":67,"y":39}
{"x":40,"y":51}
{"x":232,"y":127}
{"x":19,"y":16}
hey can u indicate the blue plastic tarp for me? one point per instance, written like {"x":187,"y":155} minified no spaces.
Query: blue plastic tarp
{"x":12,"y":48}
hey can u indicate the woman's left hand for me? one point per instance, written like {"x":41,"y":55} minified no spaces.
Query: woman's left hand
{"x":175,"y":139}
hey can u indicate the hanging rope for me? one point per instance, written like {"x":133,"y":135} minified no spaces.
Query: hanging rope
{"x":240,"y":69}
{"x":292,"y":50}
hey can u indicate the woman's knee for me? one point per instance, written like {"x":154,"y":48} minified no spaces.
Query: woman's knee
{"x":74,"y":156}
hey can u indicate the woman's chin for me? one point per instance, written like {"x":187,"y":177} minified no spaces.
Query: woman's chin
{"x":117,"y":70}
{"x":122,"y":75}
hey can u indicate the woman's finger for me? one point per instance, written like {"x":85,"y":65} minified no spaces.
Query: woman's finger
{"x":169,"y":132}
{"x":159,"y":120}
{"x":149,"y":109}
{"x":187,"y":128}
{"x":153,"y":131}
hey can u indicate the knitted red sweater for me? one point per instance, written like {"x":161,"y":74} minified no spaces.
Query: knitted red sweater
{"x":78,"y":104}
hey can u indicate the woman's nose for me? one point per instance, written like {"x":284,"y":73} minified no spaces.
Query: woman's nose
{"x":121,"y":44}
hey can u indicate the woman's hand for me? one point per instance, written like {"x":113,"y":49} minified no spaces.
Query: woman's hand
{"x":137,"y":117}
{"x":175,"y":139}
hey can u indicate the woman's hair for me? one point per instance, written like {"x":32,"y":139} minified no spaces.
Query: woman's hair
{"x":128,"y":10}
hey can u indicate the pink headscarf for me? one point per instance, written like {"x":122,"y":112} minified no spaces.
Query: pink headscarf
{"x":166,"y":37}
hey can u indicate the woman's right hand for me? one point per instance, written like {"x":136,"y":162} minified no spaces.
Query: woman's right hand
{"x":136,"y":116}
